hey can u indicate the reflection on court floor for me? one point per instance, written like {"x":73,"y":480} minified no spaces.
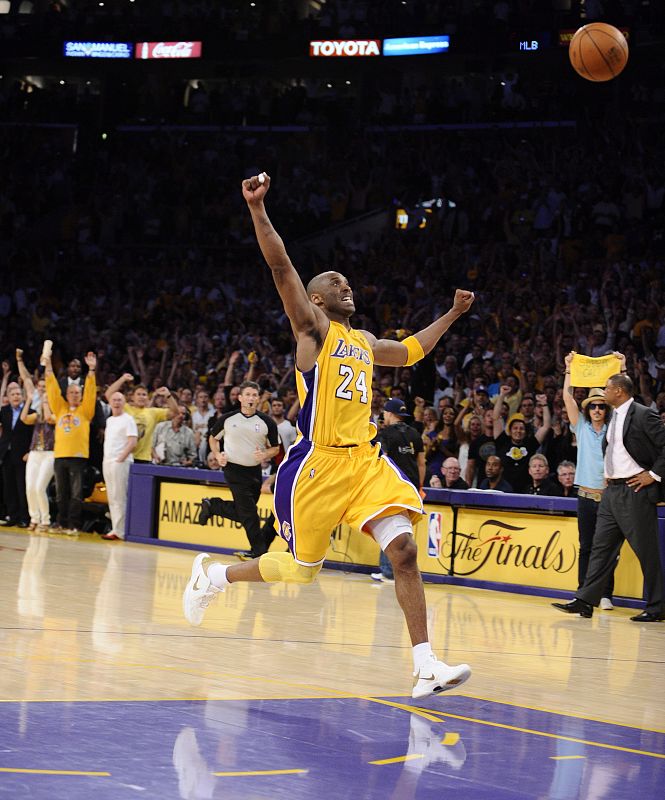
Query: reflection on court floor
{"x":369,"y":748}
{"x":303,"y":692}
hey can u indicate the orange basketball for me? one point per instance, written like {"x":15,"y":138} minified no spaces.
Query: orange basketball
{"x":598,"y":51}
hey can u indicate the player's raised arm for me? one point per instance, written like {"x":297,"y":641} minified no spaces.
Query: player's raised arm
{"x":389,"y":353}
{"x":302,"y":313}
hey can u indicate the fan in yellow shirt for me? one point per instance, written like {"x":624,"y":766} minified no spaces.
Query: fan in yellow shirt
{"x":72,"y":440}
{"x":146,"y":417}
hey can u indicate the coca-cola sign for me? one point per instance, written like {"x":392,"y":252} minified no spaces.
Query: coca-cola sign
{"x":168,"y":50}
{"x":345,"y":47}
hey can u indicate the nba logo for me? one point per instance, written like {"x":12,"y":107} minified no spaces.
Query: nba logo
{"x":434,"y":534}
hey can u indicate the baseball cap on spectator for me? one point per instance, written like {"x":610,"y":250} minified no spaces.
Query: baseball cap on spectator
{"x":515,"y":418}
{"x":396,"y":406}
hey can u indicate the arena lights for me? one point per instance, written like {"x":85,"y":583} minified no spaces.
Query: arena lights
{"x":98,"y":49}
{"x":145,"y":50}
{"x":418,"y":216}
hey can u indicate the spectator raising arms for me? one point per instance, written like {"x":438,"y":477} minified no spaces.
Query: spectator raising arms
{"x":40,"y":465}
{"x":72,"y":436}
{"x":515,"y":447}
{"x":146,"y":417}
{"x":119,"y":444}
{"x":590,"y":428}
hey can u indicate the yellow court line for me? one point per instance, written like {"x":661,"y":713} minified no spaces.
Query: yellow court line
{"x":56,"y":772}
{"x":420,"y":712}
{"x":381,"y":762}
{"x":331,"y":695}
{"x":551,"y":735}
{"x":260,"y":772}
{"x":450,"y":739}
{"x":328,"y":694}
{"x":326,"y":690}
{"x":560,"y":713}
{"x":565,"y":758}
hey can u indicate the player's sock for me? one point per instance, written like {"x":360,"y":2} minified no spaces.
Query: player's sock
{"x":422,"y":653}
{"x":216,"y":572}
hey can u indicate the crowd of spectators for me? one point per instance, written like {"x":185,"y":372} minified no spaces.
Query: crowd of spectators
{"x":138,"y":248}
{"x":492,"y":85}
{"x":487,"y":92}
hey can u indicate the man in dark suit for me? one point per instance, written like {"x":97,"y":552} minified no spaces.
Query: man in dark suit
{"x":73,"y":376}
{"x":634,"y":450}
{"x":14,"y":444}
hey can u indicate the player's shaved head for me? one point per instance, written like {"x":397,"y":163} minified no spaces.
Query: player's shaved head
{"x":319,"y":282}
{"x":330,"y":291}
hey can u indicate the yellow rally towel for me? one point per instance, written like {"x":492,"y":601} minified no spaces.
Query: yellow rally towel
{"x":587,"y":371}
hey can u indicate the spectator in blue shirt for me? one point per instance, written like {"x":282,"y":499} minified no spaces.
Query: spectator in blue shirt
{"x":589,"y":428}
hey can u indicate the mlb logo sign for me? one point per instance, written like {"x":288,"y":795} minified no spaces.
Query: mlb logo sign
{"x":434,"y":535}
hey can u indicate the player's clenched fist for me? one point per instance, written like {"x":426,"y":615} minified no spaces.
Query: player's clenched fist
{"x":254,"y":189}
{"x":463,"y":300}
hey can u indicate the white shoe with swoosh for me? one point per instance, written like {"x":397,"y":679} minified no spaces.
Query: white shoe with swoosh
{"x":198,"y":593}
{"x":436,"y":677}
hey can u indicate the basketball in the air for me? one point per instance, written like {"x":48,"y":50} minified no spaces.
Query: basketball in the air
{"x":598,"y":51}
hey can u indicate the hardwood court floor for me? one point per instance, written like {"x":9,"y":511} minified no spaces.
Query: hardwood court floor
{"x":304,"y":692}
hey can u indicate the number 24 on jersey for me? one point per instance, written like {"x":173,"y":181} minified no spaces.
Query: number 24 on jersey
{"x":349,"y":378}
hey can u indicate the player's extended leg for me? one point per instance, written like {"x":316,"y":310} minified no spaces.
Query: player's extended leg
{"x":431,"y":676}
{"x":209,"y":577}
{"x":403,"y":555}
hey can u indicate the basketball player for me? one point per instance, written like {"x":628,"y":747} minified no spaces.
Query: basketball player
{"x":332,"y":472}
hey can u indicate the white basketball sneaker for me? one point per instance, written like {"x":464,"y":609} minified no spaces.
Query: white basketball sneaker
{"x":436,"y":677}
{"x":198,"y":593}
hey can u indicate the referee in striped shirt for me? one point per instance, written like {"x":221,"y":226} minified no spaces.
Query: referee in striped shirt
{"x":248,"y":437}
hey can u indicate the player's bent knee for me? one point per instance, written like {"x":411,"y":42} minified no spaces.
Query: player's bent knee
{"x":403,"y":553}
{"x":275,"y":567}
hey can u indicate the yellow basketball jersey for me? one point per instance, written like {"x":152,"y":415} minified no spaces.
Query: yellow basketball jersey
{"x":336,"y":394}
